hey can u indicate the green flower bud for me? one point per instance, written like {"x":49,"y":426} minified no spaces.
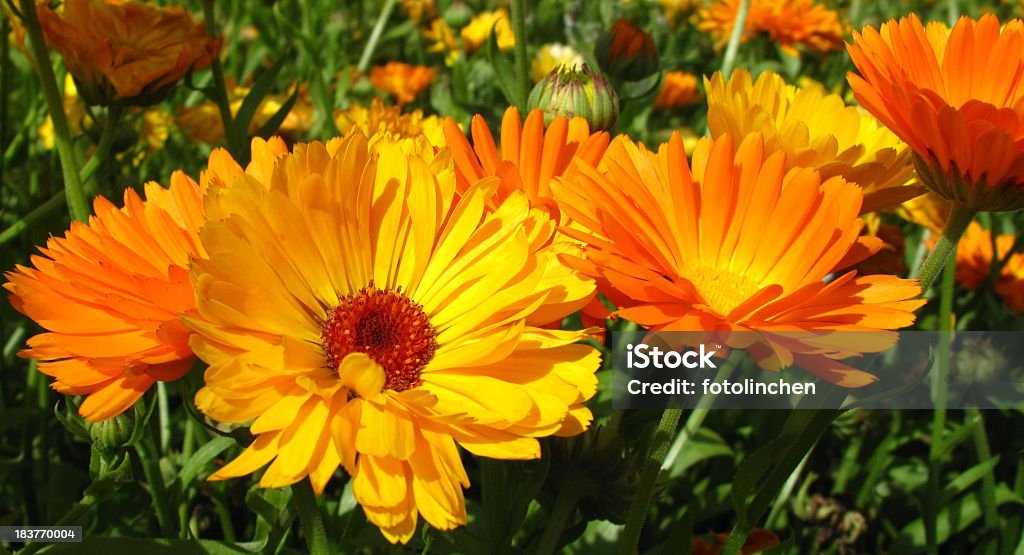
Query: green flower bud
{"x":458,"y":15}
{"x":626,"y":52}
{"x":573,"y":92}
{"x":113,"y":432}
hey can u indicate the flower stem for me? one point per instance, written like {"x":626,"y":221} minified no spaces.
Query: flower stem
{"x":32,"y":217}
{"x":648,"y":477}
{"x":959,"y":218}
{"x":519,"y":53}
{"x":378,"y":29}
{"x":309,"y":517}
{"x":565,"y":506}
{"x":149,"y":460}
{"x":697,"y":415}
{"x":940,"y":391}
{"x":102,"y":152}
{"x":78,"y":205}
{"x":735,"y":38}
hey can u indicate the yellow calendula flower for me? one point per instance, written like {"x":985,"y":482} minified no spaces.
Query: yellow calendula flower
{"x":479,"y":30}
{"x":815,"y":130}
{"x":126,"y":51}
{"x":389,"y":120}
{"x":551,"y":56}
{"x":678,"y":89}
{"x":402,"y":81}
{"x":202,"y":122}
{"x":356,"y":311}
{"x":442,"y":39}
{"x":676,"y":11}
{"x":417,"y":9}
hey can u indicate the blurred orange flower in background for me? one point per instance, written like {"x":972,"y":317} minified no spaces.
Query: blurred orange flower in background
{"x":955,"y":98}
{"x":678,"y":89}
{"x":110,"y":294}
{"x":126,"y":51}
{"x":974,"y":255}
{"x":790,"y":23}
{"x":735,"y":244}
{"x":401,"y":80}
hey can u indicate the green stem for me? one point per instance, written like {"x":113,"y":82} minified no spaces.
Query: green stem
{"x":698,"y":414}
{"x":149,"y":460}
{"x":959,"y":218}
{"x":735,"y":38}
{"x":102,"y":152}
{"x":988,"y":484}
{"x":70,"y":518}
{"x":648,"y":477}
{"x":309,"y":517}
{"x":378,"y":29}
{"x":565,"y":507}
{"x":940,"y":390}
{"x":236,"y":144}
{"x":32,"y":217}
{"x":519,"y":52}
{"x":954,"y":11}
{"x":78,"y":205}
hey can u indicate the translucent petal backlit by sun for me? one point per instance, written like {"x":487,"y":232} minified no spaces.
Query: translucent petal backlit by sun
{"x":110,"y":293}
{"x":528,"y":156}
{"x":789,"y":23}
{"x":737,"y":243}
{"x":955,"y":97}
{"x":402,"y":81}
{"x":379,"y":118}
{"x":126,"y":51}
{"x":362,"y":313}
{"x":815,"y":130}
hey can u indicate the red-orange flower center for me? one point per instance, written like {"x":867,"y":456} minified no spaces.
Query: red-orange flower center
{"x":386,"y":325}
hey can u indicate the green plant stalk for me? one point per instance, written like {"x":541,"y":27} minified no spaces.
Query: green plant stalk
{"x":236,"y":144}
{"x":77,"y":511}
{"x":939,"y":394}
{"x":37,"y":213}
{"x":648,"y":478}
{"x":102,"y":152}
{"x":519,"y":52}
{"x":309,"y":516}
{"x":78,"y":205}
{"x":954,"y":11}
{"x":735,"y":38}
{"x":378,"y":29}
{"x":149,"y":460}
{"x":959,"y":218}
{"x":988,"y":483}
{"x":565,"y":506}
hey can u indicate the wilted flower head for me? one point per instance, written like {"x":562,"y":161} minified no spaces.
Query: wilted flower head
{"x":954,"y":97}
{"x":126,"y":51}
{"x":815,"y":130}
{"x":576,"y":92}
{"x":626,"y":52}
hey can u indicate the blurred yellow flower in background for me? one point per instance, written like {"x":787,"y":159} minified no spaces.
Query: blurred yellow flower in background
{"x":74,"y":108}
{"x":789,"y":23}
{"x":928,"y":210}
{"x":551,"y":56}
{"x":678,"y":89}
{"x":479,"y":30}
{"x":442,"y":39}
{"x":126,"y":51}
{"x":417,"y":9}
{"x":401,"y":80}
{"x":356,"y":311}
{"x":202,"y":122}
{"x":815,"y":130}
{"x":676,"y":11}
{"x":389,"y":120}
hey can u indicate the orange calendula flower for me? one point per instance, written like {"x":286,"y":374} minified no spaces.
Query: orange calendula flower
{"x":390,"y":120}
{"x":110,"y":294}
{"x":678,"y":89}
{"x":974,"y":255}
{"x":735,"y":244}
{"x":126,"y":51}
{"x":790,"y":23}
{"x":954,"y":97}
{"x":816,"y":130}
{"x":403,"y":81}
{"x":360,"y":313}
{"x":1010,"y":285}
{"x":480,"y":28}
{"x":529,"y":156}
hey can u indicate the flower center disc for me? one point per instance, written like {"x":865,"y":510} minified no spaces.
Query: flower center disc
{"x":386,"y":325}
{"x":722,"y":290}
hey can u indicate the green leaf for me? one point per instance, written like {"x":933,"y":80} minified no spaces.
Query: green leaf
{"x":138,"y":546}
{"x":201,"y":458}
{"x":954,"y":518}
{"x":703,"y":444}
{"x":271,"y":126}
{"x":968,"y":478}
{"x":257,"y":93}
{"x":504,"y":72}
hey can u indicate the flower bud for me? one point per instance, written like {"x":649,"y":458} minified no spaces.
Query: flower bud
{"x":113,"y":432}
{"x":576,"y":92}
{"x":627,"y":53}
{"x":458,"y":15}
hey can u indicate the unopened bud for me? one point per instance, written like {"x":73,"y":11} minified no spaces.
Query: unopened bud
{"x":627,"y":53}
{"x":576,"y":92}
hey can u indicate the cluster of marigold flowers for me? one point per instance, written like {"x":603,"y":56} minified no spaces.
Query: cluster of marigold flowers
{"x":378,"y":300}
